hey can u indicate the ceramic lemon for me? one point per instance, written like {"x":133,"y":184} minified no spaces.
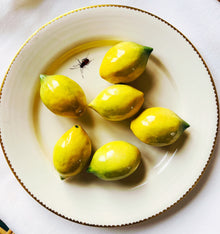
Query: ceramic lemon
{"x":115,"y":160}
{"x":118,"y":102}
{"x":72,"y":152}
{"x":124,"y":62}
{"x":158,"y":126}
{"x":62,"y":95}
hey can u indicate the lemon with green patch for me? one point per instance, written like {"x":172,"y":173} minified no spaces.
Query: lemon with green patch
{"x":118,"y":102}
{"x":124,"y":62}
{"x":62,"y":95}
{"x":72,"y":152}
{"x":158,"y":126}
{"x":115,"y":160}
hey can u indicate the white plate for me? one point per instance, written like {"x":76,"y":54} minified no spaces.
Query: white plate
{"x":176,"y":77}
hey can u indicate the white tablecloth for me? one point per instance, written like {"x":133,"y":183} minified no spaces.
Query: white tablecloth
{"x":199,"y":212}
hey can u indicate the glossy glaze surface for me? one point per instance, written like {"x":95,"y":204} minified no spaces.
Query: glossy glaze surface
{"x":158,"y":126}
{"x":62,"y":95}
{"x":115,"y":160}
{"x":118,"y":102}
{"x":72,"y":152}
{"x":124,"y":62}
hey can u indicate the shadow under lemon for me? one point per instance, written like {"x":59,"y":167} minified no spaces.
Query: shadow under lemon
{"x":136,"y":178}
{"x":177,"y":145}
{"x":150,"y":82}
{"x":145,"y":83}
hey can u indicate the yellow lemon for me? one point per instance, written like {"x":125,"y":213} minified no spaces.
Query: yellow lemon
{"x":115,"y":160}
{"x":158,"y":126}
{"x":62,"y":95}
{"x":72,"y":152}
{"x":118,"y":102}
{"x":124,"y":62}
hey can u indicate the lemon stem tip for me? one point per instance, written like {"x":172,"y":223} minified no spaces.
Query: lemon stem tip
{"x":89,"y":170}
{"x":148,"y":49}
{"x":185,"y":125}
{"x":42,"y":77}
{"x":62,"y":178}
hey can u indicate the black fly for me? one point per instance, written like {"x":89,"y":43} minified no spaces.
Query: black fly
{"x":81,"y":64}
{"x":84,"y":62}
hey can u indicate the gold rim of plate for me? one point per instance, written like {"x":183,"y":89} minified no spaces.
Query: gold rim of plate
{"x":216,"y":100}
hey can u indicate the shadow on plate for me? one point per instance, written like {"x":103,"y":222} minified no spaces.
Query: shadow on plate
{"x":136,"y":178}
{"x":85,"y":178}
{"x":86,"y":120}
{"x":178,"y":145}
{"x":151,"y":78}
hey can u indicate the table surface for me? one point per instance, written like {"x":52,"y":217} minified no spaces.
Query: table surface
{"x":199,"y":212}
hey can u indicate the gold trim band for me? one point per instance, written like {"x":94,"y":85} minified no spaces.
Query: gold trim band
{"x":214,"y":89}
